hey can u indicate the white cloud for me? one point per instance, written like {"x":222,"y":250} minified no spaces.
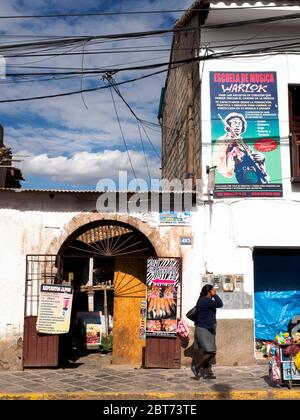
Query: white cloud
{"x":87,"y":168}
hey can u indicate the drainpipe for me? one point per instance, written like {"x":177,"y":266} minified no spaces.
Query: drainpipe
{"x":191,"y":130}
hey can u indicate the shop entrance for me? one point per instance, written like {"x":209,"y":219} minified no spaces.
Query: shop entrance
{"x":106,"y":265}
{"x":277,"y":293}
{"x":105,"y":262}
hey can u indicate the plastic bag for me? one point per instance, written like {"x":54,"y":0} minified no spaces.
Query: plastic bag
{"x":182,"y":328}
{"x":274,"y":371}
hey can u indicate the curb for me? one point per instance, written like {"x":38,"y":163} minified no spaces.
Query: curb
{"x":220,"y":395}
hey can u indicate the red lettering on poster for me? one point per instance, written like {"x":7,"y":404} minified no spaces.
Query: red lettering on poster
{"x":265,"y":145}
{"x":261,"y":78}
{"x":243,"y":77}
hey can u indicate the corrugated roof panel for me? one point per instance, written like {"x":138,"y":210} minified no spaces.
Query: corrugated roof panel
{"x":21,"y":190}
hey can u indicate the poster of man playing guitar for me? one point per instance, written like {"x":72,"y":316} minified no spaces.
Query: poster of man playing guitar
{"x":234,"y":157}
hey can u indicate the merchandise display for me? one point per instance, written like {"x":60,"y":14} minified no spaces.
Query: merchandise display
{"x":284,"y":359}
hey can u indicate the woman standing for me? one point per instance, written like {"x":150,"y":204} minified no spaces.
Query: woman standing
{"x":205,"y":331}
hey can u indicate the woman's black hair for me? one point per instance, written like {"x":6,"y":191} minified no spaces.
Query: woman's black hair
{"x":206,"y":289}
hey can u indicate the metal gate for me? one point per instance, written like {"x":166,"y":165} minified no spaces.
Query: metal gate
{"x":39,"y":350}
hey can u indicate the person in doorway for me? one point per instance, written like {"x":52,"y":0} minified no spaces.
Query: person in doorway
{"x":234,"y":157}
{"x":205,"y":332}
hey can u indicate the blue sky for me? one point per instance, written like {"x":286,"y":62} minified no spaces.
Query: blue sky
{"x":72,"y":142}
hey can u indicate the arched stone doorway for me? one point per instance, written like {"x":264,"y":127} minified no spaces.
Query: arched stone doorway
{"x":123,"y":240}
{"x":105,"y":261}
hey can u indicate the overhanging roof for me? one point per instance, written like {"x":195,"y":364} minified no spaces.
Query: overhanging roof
{"x":21,"y":191}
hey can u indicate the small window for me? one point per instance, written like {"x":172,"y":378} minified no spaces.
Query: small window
{"x":294,"y":110}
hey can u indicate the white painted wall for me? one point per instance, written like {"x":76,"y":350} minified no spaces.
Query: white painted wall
{"x":238,"y":225}
{"x":22,"y":233}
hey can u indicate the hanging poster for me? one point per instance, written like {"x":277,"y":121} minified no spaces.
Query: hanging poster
{"x":55,"y":305}
{"x":245,"y":134}
{"x":162,"y":294}
{"x":143,"y":319}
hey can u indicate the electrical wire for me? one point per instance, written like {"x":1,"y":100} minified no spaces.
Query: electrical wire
{"x":79,"y":91}
{"x":121,"y":130}
{"x":142,"y":34}
{"x":81,"y":81}
{"x":143,"y":148}
{"x":140,"y":121}
{"x":229,"y":54}
{"x":133,"y":50}
{"x":136,"y":12}
{"x":88,"y":38}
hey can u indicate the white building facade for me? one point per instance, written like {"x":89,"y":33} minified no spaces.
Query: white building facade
{"x":248,"y":67}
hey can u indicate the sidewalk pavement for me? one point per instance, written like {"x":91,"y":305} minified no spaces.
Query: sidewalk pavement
{"x":112,"y":382}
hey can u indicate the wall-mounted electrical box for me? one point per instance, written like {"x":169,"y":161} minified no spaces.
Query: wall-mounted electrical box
{"x":228,"y":283}
{"x":225,"y":282}
{"x":239,"y":284}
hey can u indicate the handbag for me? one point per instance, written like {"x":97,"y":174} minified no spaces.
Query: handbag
{"x":192,"y":314}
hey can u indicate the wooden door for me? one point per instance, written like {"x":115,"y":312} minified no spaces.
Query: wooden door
{"x":39,"y":350}
{"x":163,"y":352}
{"x":129,"y":292}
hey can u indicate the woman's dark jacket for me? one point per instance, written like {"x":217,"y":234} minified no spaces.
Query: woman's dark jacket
{"x":206,"y":312}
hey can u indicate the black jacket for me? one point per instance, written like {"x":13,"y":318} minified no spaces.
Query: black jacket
{"x":206,"y":311}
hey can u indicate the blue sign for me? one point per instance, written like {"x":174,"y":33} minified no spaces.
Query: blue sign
{"x":290,"y":372}
{"x":185,"y":240}
{"x":175,"y":218}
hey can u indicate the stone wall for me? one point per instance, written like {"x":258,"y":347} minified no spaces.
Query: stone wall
{"x":176,"y":132}
{"x":11,"y":353}
{"x":235,"y":343}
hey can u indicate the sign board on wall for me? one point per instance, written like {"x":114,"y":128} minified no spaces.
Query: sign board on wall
{"x":54,"y":312}
{"x":162,"y":293}
{"x":175,"y":218}
{"x":245,"y":134}
{"x":185,"y":240}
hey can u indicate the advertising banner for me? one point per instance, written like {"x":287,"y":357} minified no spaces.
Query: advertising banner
{"x":175,"y":218}
{"x":162,"y":294}
{"x":93,"y":336}
{"x":245,"y":134}
{"x":55,"y":305}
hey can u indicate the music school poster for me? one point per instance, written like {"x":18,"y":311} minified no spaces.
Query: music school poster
{"x":245,"y":134}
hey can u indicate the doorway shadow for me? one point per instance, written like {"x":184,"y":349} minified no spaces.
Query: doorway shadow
{"x":71,"y":365}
